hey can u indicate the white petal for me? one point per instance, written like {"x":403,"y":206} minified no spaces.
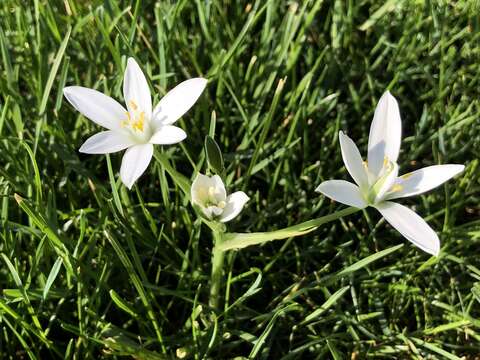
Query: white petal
{"x":220,"y":193}
{"x":199,"y":190}
{"x":420,"y":181}
{"x":135,"y":162}
{"x":385,"y":133}
{"x":385,"y":183}
{"x":167,"y":135}
{"x":135,"y":90}
{"x":353,"y":160}
{"x":178,"y":101}
{"x":235,"y":203}
{"x":106,"y":142}
{"x":205,"y":187}
{"x":207,"y":211}
{"x":342,"y":191}
{"x":410,"y":225}
{"x":98,"y":107}
{"x":215,"y":210}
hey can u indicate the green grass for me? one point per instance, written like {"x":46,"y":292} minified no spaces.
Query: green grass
{"x":91,"y":270}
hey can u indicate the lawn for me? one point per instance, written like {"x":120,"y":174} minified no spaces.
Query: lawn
{"x":90,"y":269}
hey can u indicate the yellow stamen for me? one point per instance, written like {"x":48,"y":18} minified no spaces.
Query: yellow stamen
{"x":396,"y":187}
{"x":222,"y":204}
{"x":126,"y":122}
{"x":406,"y":176}
{"x":138,"y":121}
{"x":211,"y":191}
{"x":138,"y":125}
{"x":133,"y":105}
{"x":385,"y":161}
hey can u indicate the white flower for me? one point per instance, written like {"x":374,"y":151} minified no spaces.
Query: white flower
{"x":139,"y":127}
{"x":378,"y":180}
{"x":211,"y":197}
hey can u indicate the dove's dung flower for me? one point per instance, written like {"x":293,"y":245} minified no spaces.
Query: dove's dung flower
{"x":138,"y":127}
{"x":377,"y":180}
{"x":209,"y":194}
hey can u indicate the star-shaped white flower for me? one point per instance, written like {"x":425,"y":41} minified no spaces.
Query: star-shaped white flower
{"x":138,"y":127}
{"x":209,"y":194}
{"x":377,"y":180}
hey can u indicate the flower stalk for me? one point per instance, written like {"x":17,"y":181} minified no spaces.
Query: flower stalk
{"x":218,"y":259}
{"x":235,"y":241}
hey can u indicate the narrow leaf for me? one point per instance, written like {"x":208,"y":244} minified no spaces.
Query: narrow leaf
{"x":327,"y":304}
{"x":51,"y":277}
{"x":53,"y":72}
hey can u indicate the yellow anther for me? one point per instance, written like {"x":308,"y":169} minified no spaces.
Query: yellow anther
{"x":140,"y":120}
{"x":222,"y":204}
{"x":133,"y":105}
{"x":211,"y":191}
{"x":406,"y":176}
{"x":126,"y":122}
{"x":137,"y":123}
{"x":385,"y":161}
{"x":396,"y":187}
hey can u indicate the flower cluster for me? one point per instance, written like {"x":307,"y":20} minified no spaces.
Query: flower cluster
{"x":140,"y":126}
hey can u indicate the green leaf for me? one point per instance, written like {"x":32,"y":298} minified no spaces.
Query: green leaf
{"x":51,"y":277}
{"x":51,"y":234}
{"x":434,"y":348}
{"x":241,"y":240}
{"x":214,"y":155}
{"x":53,"y":72}
{"x":121,"y":303}
{"x":327,"y":304}
{"x":369,"y":259}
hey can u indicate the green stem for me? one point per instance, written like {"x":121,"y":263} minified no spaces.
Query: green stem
{"x":241,"y":240}
{"x":218,"y":257}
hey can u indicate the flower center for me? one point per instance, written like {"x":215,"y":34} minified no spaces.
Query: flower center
{"x":135,"y":121}
{"x":212,"y":199}
{"x":384,"y":182}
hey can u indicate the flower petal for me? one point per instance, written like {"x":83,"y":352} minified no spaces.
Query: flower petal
{"x":411,"y":226}
{"x":167,"y":135}
{"x":343,"y":191}
{"x":207,"y":189}
{"x":178,"y":101}
{"x":385,"y":183}
{"x":385,"y":133}
{"x":135,"y":90}
{"x":420,"y":181}
{"x":220,"y":193}
{"x":106,"y":142}
{"x":215,"y":210}
{"x":235,"y":203}
{"x":199,"y":190}
{"x":135,"y":162}
{"x":211,"y":212}
{"x":98,"y":107}
{"x":207,"y":211}
{"x":353,"y":160}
